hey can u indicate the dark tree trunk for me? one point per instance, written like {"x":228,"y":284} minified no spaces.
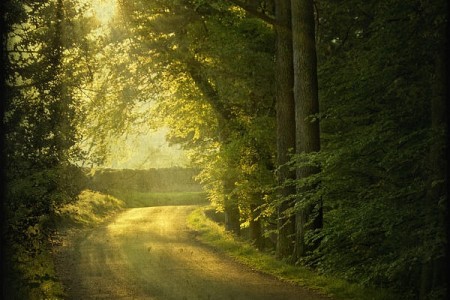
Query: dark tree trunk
{"x":231,"y":208}
{"x":255,"y":228}
{"x":285,"y":124}
{"x":306,"y":105}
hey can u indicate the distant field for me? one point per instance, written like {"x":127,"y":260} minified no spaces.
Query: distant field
{"x":135,"y":199}
{"x":152,"y":180}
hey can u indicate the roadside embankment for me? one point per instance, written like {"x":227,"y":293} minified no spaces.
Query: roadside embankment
{"x":214,"y":235}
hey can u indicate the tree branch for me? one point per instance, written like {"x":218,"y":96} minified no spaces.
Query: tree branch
{"x":195,"y":71}
{"x":251,"y":10}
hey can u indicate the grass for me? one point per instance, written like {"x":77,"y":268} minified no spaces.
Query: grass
{"x":134,"y":199}
{"x":90,"y":209}
{"x":93,"y":208}
{"x":34,"y":275}
{"x":215,"y":235}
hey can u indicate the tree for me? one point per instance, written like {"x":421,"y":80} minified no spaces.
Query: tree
{"x":376,"y":121}
{"x":196,"y":44}
{"x":286,"y":129}
{"x":297,"y":122}
{"x":306,"y":111}
{"x":39,"y":133}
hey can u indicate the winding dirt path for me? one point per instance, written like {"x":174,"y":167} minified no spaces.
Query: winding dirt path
{"x":149,"y":253}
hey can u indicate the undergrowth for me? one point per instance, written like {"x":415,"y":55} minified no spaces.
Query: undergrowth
{"x":91,"y":208}
{"x":215,"y":235}
{"x":31,"y":270}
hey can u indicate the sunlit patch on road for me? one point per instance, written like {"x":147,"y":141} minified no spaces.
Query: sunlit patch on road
{"x":149,"y":253}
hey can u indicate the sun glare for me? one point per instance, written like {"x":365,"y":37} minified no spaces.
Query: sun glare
{"x":104,"y":10}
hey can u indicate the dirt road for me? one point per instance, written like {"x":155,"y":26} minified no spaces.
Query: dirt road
{"x":149,"y":253}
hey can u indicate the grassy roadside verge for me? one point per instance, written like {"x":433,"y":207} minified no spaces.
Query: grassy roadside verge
{"x":214,"y":235}
{"x":31,"y":268}
{"x":90,"y":209}
{"x":135,"y":199}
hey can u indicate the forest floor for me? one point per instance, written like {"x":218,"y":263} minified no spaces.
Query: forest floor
{"x":149,"y":253}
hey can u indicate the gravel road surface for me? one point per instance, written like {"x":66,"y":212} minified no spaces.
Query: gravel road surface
{"x":149,"y":253}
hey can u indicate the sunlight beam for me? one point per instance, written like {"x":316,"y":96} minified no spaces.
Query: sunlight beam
{"x":104,"y":10}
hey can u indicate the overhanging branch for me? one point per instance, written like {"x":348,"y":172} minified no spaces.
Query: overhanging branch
{"x":253,"y":11}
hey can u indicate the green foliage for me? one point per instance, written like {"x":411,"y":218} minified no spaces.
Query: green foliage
{"x":30,"y":261}
{"x":31,"y":202}
{"x":217,"y":69}
{"x":90,"y":209}
{"x":206,"y":70}
{"x":39,"y":126}
{"x":376,"y":133}
{"x":33,"y":275}
{"x":215,"y":65}
{"x":215,"y":235}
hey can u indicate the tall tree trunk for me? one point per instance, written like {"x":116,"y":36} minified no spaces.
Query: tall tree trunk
{"x":231,"y":208}
{"x":285,"y":124}
{"x":255,"y":227}
{"x":306,"y":105}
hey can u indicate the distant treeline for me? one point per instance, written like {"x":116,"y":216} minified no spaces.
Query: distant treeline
{"x":174,"y":179}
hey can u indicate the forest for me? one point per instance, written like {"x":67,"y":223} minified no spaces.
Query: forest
{"x":323,"y":122}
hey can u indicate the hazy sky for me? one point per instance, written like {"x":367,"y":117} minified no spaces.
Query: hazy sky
{"x":146,"y":151}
